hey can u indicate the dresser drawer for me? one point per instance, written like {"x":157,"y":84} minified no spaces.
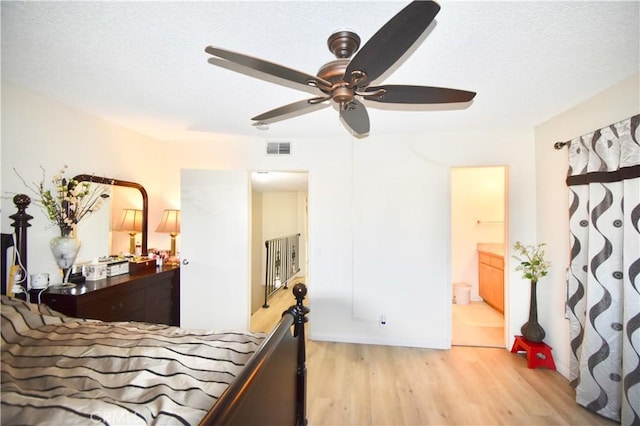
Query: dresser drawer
{"x":159,"y":292}
{"x":160,"y":313}
{"x":148,"y":297}
{"x":127,"y":307}
{"x":159,"y":304}
{"x":62,"y":304}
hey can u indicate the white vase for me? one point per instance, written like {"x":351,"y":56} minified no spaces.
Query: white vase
{"x":65,"y":249}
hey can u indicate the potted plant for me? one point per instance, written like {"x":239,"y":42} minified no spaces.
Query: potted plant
{"x":65,"y":204}
{"x":533,"y":267}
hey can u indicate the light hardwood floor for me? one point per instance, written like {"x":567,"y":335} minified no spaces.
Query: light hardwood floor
{"x":351,"y":384}
{"x":264,"y":319}
{"x":477,"y":324}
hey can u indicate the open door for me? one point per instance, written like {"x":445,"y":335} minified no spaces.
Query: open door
{"x":215,"y":255}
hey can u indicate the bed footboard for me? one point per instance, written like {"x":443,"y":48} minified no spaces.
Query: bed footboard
{"x":271,"y":390}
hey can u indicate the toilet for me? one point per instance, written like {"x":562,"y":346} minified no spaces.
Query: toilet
{"x":461,"y":293}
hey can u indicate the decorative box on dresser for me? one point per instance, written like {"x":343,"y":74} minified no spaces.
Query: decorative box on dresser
{"x":151,"y":296}
{"x":491,"y":275}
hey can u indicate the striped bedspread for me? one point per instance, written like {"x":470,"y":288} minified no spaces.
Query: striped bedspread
{"x":59,"y":370}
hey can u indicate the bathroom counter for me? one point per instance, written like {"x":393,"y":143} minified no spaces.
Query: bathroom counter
{"x":491,"y":248}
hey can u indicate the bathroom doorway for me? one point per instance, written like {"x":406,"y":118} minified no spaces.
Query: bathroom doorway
{"x":478,"y":235}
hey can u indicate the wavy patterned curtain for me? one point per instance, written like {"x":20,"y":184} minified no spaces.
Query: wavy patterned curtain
{"x":603,"y":299}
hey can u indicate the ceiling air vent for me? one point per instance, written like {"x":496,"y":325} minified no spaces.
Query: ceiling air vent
{"x":278,"y":148}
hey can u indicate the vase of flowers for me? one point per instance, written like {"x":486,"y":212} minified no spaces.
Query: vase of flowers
{"x":65,"y":205}
{"x":533,"y":267}
{"x":65,"y":249}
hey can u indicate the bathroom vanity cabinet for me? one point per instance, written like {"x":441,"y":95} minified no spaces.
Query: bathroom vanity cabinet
{"x":491,"y":278}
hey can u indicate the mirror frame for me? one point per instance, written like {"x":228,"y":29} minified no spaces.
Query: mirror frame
{"x":134,"y":185}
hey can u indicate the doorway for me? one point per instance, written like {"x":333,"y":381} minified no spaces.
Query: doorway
{"x":478,"y":235}
{"x":278,"y":211}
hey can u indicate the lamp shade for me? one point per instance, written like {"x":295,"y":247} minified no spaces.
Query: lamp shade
{"x":170,"y":222}
{"x":130,"y":221}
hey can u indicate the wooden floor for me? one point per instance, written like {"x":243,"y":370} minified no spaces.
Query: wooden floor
{"x":477,"y":324}
{"x":264,"y":319}
{"x":351,"y":384}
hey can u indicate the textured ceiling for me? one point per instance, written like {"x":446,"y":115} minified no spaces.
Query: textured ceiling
{"x":142,"y":64}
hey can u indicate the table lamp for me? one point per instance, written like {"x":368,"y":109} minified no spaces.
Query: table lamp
{"x":131,"y":222}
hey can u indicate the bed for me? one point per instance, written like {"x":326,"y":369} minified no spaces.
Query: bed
{"x":56,"y":369}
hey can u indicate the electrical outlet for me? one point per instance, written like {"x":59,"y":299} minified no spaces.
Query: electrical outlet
{"x":383,"y":320}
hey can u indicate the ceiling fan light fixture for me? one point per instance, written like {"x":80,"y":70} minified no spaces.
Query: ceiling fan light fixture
{"x":261,"y":125}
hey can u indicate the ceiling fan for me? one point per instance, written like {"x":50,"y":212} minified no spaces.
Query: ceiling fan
{"x":345,"y":80}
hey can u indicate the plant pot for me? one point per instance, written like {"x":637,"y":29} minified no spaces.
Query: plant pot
{"x":532,"y":330}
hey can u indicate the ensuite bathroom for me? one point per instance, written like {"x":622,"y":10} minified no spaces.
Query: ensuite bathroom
{"x":478,"y":212}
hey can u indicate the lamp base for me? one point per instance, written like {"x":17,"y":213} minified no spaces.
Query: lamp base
{"x":132,"y":243}
{"x":172,"y":261}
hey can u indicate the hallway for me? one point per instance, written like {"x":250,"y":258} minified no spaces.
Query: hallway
{"x":264,"y":319}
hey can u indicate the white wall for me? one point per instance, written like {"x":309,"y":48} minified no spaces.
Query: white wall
{"x":612,"y":105}
{"x":257,"y":248}
{"x":378,"y":207}
{"x":399,"y":231}
{"x":363,"y":197}
{"x":279,"y":214}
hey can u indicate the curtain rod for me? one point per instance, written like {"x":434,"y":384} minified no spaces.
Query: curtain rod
{"x":560,"y":145}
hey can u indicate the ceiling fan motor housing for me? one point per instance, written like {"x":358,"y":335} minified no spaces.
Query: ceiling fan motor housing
{"x":343,"y":44}
{"x":333,"y":71}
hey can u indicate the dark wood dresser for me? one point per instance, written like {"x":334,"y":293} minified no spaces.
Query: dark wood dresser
{"x":152,"y":297}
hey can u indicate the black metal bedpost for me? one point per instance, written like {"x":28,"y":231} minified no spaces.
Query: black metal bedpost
{"x":299,"y":312}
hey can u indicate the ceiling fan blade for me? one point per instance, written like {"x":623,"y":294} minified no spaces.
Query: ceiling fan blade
{"x":400,"y":94}
{"x":265,"y":66}
{"x":356,"y":117}
{"x":392,"y":40}
{"x":291,"y":110}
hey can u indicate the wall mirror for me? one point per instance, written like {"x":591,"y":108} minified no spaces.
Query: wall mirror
{"x":125,"y":184}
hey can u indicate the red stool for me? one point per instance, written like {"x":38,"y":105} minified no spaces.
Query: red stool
{"x":538,"y":354}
